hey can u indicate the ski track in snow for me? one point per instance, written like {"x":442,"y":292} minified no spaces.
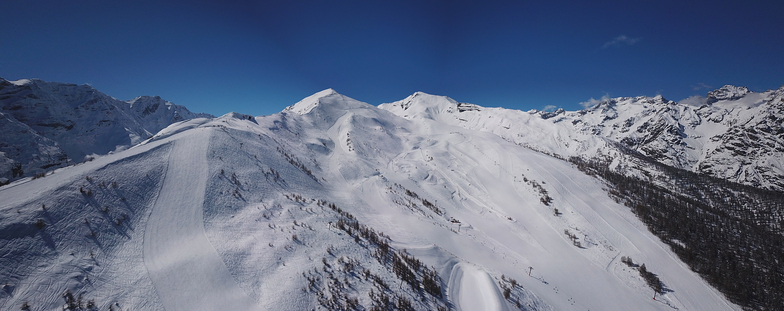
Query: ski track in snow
{"x":187,"y":271}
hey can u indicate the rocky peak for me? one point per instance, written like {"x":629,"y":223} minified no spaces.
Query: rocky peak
{"x":727,"y":92}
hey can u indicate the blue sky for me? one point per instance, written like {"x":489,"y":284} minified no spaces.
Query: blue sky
{"x":258,"y":57}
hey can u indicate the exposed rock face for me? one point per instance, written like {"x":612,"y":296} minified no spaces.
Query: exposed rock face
{"x":727,"y":92}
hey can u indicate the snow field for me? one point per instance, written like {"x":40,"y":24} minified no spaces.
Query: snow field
{"x":243,"y":212}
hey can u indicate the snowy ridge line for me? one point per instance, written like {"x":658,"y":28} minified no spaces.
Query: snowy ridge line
{"x":734,"y":134}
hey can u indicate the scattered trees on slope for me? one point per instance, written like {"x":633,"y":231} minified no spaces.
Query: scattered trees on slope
{"x":334,"y":292}
{"x":728,"y":233}
{"x":544,"y":196}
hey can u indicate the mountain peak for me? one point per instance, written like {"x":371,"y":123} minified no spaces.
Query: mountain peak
{"x":308,"y":103}
{"x":727,"y":92}
{"x":324,"y":93}
{"x":147,"y":100}
{"x":423,"y":105}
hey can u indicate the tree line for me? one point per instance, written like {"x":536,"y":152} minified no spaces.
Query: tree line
{"x":730,"y":234}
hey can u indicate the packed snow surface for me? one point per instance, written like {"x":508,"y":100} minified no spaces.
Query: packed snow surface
{"x":187,"y":271}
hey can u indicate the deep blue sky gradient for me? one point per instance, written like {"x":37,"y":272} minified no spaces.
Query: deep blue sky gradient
{"x":258,"y":57}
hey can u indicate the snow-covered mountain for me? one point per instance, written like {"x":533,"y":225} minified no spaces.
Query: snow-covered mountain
{"x":424,"y":204}
{"x":50,"y":124}
{"x":733,"y":133}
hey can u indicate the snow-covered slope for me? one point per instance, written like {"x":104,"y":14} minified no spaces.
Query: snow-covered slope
{"x":47,"y":120}
{"x":733,"y":134}
{"x":330,"y":204}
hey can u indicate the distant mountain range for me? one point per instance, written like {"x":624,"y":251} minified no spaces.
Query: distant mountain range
{"x":733,"y":133}
{"x":47,"y":125}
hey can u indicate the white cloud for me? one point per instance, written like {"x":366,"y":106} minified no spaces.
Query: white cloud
{"x":621,"y":40}
{"x":701,"y":86}
{"x":696,"y":101}
{"x":593,"y":102}
{"x":549,"y":108}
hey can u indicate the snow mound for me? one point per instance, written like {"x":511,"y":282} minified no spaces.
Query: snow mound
{"x":473,"y":289}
